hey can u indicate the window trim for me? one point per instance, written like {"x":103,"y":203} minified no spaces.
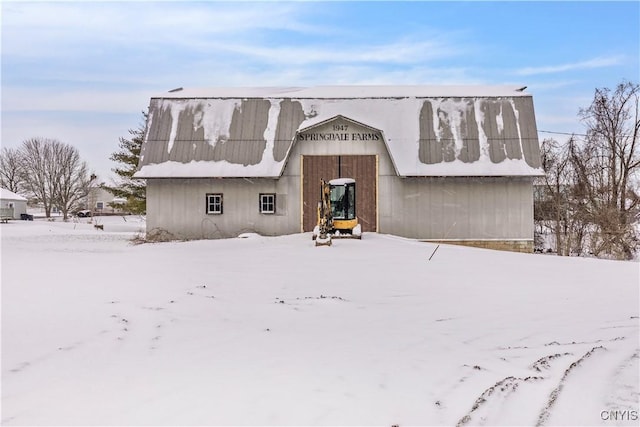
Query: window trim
{"x":208,"y":204}
{"x":261,"y":203}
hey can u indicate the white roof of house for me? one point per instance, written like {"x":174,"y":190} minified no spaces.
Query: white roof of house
{"x":10,"y":195}
{"x":428,"y":130}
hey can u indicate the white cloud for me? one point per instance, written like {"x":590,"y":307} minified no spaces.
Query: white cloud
{"x":30,"y":31}
{"x":102,"y":46}
{"x":599,"y":62}
{"x":15,"y":99}
{"x":395,"y":52}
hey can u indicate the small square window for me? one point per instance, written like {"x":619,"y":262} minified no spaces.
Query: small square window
{"x":214,"y":204}
{"x":99,"y":205}
{"x":267,"y":203}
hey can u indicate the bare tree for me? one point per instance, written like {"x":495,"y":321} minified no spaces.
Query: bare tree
{"x":70,"y":177}
{"x":11,"y":169}
{"x":556,"y":207}
{"x":606,"y":167}
{"x":35,"y":153}
{"x":54,"y":174}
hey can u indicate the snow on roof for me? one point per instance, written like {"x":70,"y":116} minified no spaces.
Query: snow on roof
{"x":347,"y":92}
{"x":428,"y":130}
{"x":208,"y":169}
{"x":10,"y":195}
{"x":342,"y":181}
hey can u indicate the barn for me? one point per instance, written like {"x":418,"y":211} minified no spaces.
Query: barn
{"x":451,"y":164}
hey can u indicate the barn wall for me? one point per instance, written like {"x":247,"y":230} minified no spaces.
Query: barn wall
{"x":176,"y":208}
{"x":457,"y":208}
{"x":478,"y":211}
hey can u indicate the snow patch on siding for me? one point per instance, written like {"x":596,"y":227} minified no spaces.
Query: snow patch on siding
{"x":214,"y":117}
{"x":451,"y":112}
{"x":149,"y":124}
{"x":482,"y":137}
{"x":436,"y":120}
{"x":517,"y":115}
{"x":500,"y":121}
{"x":272,"y":123}
{"x":175,"y":109}
{"x":210,"y":169}
{"x":222,"y":168}
{"x":197,"y":120}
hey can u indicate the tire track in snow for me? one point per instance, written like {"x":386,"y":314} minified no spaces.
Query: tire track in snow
{"x":625,"y":394}
{"x":499,"y":391}
{"x":546,"y":411}
{"x":543,"y":362}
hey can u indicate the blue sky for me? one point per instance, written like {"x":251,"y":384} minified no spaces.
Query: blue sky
{"x":83,"y":72}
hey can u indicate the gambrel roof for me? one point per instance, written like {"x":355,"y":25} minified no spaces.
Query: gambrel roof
{"x":428,"y":130}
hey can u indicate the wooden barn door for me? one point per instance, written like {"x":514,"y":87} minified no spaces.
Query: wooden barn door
{"x":363,"y":170}
{"x":360,"y":168}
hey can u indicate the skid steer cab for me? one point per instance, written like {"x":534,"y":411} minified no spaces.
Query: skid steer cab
{"x":337,"y":212}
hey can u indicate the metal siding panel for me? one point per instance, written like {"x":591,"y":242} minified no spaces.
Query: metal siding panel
{"x":184,"y":136}
{"x":161,"y":129}
{"x":530,"y":143}
{"x":471,"y":151}
{"x":510,"y":135}
{"x":430,"y":149}
{"x":246,"y":143}
{"x":481,"y":208}
{"x":290,"y":117}
{"x":491,"y":109}
{"x":447,"y":140}
{"x":177,"y":206}
{"x":464,"y":216}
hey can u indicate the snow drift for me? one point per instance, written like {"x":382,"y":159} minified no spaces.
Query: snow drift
{"x":274,"y":331}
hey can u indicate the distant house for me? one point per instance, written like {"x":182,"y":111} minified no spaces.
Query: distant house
{"x":102,"y":202}
{"x":443,"y":164}
{"x":11,"y":200}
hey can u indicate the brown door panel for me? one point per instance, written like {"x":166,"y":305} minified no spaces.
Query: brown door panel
{"x":360,"y":168}
{"x":315,"y":168}
{"x":363,"y":170}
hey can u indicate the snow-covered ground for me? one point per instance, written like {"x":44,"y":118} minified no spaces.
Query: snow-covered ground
{"x":274,"y":331}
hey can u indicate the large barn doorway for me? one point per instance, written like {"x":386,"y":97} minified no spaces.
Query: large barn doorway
{"x":362,"y":168}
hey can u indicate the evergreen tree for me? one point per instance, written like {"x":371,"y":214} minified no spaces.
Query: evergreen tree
{"x":128,"y":156}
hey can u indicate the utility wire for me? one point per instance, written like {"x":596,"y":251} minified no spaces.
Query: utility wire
{"x":562,"y":133}
{"x":574,"y":134}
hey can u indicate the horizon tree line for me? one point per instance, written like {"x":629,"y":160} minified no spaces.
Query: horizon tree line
{"x":52,"y":173}
{"x":47,"y":170}
{"x":589,"y":198}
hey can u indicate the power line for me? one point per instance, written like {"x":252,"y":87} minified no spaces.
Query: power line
{"x":562,"y":133}
{"x":576,"y":134}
